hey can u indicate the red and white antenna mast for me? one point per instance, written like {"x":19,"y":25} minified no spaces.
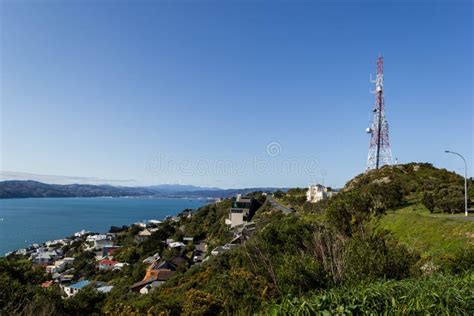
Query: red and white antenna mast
{"x":380,"y":152}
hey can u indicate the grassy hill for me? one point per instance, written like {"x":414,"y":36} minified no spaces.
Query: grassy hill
{"x":431,"y":235}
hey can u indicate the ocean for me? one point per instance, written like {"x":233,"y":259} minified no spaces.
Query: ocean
{"x":27,"y":221}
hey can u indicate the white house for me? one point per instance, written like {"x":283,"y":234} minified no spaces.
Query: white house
{"x":317,"y":192}
{"x":176,"y":244}
{"x":72,"y":289}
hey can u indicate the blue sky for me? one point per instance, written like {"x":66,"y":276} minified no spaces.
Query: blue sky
{"x":197,"y":92}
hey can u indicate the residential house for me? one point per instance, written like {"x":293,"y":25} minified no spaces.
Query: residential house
{"x":188,"y":239}
{"x":105,"y":289}
{"x":154,"y":280}
{"x":74,"y":288}
{"x":152,"y":259}
{"x":241,"y":211}
{"x":108,"y":251}
{"x":119,"y":266}
{"x":144,"y":235}
{"x":44,"y":257}
{"x":176,"y":244}
{"x":221,"y":249}
{"x":81,"y":233}
{"x":59,"y":265}
{"x":154,"y":222}
{"x":106,"y":264}
{"x":317,"y":192}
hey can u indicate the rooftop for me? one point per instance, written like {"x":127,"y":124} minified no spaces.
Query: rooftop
{"x":79,"y":285}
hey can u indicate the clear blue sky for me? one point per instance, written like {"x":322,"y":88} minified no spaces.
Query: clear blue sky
{"x":194,"y":91}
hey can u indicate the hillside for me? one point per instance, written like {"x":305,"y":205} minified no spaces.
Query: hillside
{"x":27,"y":189}
{"x":370,"y":248}
{"x":432,"y":235}
{"x":35,"y":189}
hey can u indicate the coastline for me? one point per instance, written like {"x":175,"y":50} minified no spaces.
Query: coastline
{"x":38,"y":220}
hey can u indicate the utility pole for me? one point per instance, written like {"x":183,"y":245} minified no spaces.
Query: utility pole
{"x":465,"y":178}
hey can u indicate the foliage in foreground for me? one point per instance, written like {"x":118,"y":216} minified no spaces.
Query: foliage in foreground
{"x":437,"y":295}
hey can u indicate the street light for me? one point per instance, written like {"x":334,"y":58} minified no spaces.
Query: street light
{"x":465,"y":178}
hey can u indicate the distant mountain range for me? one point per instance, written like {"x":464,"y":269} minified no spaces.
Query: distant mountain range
{"x":35,"y":189}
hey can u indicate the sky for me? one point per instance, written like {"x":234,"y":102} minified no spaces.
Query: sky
{"x":230,"y":93}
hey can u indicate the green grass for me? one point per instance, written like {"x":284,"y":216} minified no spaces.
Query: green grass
{"x":432,"y":235}
{"x":436,"y":295}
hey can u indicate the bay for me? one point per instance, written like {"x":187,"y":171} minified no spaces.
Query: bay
{"x":35,"y":220}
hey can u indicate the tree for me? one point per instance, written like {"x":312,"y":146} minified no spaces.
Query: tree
{"x":428,"y":201}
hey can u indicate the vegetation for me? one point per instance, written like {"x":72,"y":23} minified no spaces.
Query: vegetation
{"x":438,"y":295}
{"x":372,"y":248}
{"x":432,"y":236}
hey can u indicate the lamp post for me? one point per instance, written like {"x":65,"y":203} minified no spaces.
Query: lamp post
{"x":465,"y":178}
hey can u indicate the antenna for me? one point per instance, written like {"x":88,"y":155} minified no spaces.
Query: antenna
{"x":380,"y":152}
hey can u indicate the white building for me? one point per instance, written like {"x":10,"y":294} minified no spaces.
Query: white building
{"x":317,"y":192}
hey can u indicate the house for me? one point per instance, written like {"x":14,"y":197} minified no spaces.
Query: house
{"x":108,"y":251}
{"x":106,"y":264}
{"x":154,"y":222}
{"x":105,"y":289}
{"x":81,"y":233}
{"x":119,"y":266}
{"x":188,"y":239}
{"x":218,"y":250}
{"x":154,"y":280}
{"x":200,"y":250}
{"x":44,"y":257}
{"x":167,"y":265}
{"x":152,"y":259}
{"x":74,"y":288}
{"x":139,"y":224}
{"x":63,"y":278}
{"x":69,"y":261}
{"x":176,"y":244}
{"x":179,"y":260}
{"x":144,"y":235}
{"x":317,"y":192}
{"x":241,"y":211}
{"x":99,"y":241}
{"x":221,"y":249}
{"x":99,"y":244}
{"x":59,"y":266}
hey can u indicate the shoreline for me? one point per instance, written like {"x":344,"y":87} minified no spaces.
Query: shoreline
{"x":25,"y":222}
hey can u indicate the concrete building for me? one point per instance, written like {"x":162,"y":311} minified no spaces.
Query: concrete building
{"x":317,"y":192}
{"x":240,"y":211}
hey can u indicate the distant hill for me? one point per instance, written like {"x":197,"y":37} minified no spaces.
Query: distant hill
{"x":35,"y":189}
{"x":173,"y":188}
{"x":226,"y":193}
{"x":29,"y":188}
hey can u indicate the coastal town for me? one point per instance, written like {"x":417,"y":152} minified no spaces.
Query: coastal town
{"x":59,"y":257}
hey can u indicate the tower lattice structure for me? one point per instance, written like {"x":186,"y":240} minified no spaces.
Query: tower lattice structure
{"x":380,"y":152}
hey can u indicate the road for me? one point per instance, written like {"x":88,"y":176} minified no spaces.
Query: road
{"x":274,"y":204}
